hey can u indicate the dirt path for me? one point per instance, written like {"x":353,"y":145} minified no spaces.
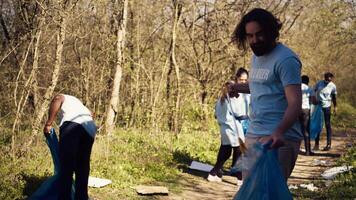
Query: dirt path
{"x":307,"y":169}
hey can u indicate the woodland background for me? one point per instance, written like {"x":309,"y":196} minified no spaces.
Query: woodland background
{"x":152,"y":66}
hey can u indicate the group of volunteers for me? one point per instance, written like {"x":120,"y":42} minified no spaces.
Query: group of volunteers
{"x":269,"y":104}
{"x":273,"y":99}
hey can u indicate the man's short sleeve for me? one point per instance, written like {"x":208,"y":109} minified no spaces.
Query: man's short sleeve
{"x":289,"y":71}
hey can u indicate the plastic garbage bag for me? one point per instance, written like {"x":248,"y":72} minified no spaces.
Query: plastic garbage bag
{"x":247,"y":160}
{"x":316,"y":121}
{"x":49,"y":189}
{"x":333,"y":172}
{"x":245,"y":123}
{"x":265,"y":180}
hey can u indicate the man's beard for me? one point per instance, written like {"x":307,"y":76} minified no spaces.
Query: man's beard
{"x":262,"y":48}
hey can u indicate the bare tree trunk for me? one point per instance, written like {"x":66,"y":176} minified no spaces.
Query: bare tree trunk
{"x":27,"y":87}
{"x":113,"y":106}
{"x":49,"y":92}
{"x":88,"y":72}
{"x":177,"y":14}
{"x":174,"y":115}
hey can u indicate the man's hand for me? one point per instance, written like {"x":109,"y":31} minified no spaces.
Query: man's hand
{"x":47,"y":129}
{"x":335,"y":109}
{"x":276,"y":140}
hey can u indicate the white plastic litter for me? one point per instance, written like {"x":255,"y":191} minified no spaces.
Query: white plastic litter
{"x":332,"y":172}
{"x":309,"y":186}
{"x":317,"y":162}
{"x":98,"y":182}
{"x":293,"y":187}
{"x":200,"y":166}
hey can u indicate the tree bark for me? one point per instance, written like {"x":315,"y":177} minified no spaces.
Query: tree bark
{"x":61,"y":34}
{"x":120,"y":44}
{"x":177,"y":14}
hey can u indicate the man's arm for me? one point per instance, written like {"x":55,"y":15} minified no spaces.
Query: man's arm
{"x":54,"y":107}
{"x":241,"y":88}
{"x":294,"y":99}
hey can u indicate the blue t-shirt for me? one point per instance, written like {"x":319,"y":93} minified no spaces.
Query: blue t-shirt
{"x":269,"y":75}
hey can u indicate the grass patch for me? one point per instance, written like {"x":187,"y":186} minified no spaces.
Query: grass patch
{"x":345,"y":117}
{"x":127,"y":157}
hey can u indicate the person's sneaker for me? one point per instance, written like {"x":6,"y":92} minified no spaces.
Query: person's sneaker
{"x":327,"y":148}
{"x":213,"y":178}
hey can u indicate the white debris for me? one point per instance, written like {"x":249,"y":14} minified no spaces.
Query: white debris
{"x":332,"y":172}
{"x":293,"y":187}
{"x":317,"y":162}
{"x":98,"y":182}
{"x":309,"y":186}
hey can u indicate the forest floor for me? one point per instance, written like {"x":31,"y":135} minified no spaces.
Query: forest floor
{"x":308,"y":169}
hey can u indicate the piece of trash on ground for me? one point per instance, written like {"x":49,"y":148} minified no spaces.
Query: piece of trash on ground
{"x":332,"y":172}
{"x":309,"y":186}
{"x":150,"y":190}
{"x":98,"y":182}
{"x":293,"y":187}
{"x":317,"y":162}
{"x":200,"y":166}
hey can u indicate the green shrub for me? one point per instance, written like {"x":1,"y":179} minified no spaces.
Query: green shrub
{"x":11,"y":181}
{"x":345,"y":117}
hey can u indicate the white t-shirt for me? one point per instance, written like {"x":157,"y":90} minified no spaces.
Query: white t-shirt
{"x":324,"y":91}
{"x":73,"y":110}
{"x":241,"y":104}
{"x":307,"y":92}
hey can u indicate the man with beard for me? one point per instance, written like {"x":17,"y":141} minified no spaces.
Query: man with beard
{"x":274,"y":86}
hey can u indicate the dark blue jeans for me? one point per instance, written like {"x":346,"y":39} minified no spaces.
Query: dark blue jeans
{"x":304,"y":119}
{"x":74,"y":153}
{"x":327,"y":117}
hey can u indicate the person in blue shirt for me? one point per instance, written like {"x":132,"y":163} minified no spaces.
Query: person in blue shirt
{"x":326,"y":93}
{"x":274,"y":85}
{"x":308,"y":98}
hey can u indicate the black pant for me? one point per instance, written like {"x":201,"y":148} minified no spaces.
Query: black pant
{"x":223,"y":155}
{"x":74,"y":153}
{"x":304,"y":119}
{"x":327,"y":117}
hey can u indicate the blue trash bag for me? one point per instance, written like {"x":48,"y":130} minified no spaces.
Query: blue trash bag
{"x":49,"y":189}
{"x":265,"y":180}
{"x":245,"y":123}
{"x":316,"y":122}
